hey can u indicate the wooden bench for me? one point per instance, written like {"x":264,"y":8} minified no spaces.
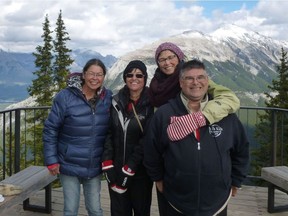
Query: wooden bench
{"x":31,"y":180}
{"x":277,"y":177}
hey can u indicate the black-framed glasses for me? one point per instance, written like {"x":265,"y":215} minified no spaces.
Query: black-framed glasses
{"x":130,"y":75}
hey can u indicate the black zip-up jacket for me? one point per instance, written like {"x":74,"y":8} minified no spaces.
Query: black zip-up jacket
{"x":124,"y":141}
{"x":197,"y":175}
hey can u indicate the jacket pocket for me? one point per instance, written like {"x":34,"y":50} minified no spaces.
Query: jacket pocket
{"x":185,"y":188}
{"x":213,"y":190}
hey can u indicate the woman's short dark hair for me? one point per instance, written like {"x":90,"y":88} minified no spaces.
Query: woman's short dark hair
{"x":94,"y":61}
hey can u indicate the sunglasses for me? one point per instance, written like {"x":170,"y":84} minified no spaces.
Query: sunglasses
{"x":130,"y":75}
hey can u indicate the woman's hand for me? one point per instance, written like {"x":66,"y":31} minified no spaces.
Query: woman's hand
{"x":54,"y":169}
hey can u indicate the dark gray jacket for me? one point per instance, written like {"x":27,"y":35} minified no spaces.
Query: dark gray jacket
{"x":197,"y":175}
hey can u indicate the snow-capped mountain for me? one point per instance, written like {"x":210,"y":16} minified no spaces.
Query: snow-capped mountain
{"x":242,"y":60}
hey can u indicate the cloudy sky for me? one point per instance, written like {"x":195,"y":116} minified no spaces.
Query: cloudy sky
{"x":119,"y":26}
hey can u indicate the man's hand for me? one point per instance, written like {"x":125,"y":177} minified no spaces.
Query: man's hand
{"x":234,"y":191}
{"x":159,"y":185}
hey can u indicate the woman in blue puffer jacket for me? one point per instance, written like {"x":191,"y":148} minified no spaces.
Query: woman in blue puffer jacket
{"x":74,"y":135}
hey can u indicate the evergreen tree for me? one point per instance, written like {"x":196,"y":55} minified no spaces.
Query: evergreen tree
{"x":43,"y":61}
{"x":50,"y":78}
{"x":62,"y":58}
{"x":42,"y":90}
{"x":280,"y":86}
{"x":278,"y":97}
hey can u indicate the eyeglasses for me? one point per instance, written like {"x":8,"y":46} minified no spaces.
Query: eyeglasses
{"x":130,"y":75}
{"x":91,"y":74}
{"x":163,"y":60}
{"x":200,"y":78}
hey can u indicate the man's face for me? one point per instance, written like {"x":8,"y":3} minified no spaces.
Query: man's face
{"x":194,"y":84}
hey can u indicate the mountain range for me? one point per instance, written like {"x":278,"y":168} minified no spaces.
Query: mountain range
{"x":16,"y":71}
{"x":238,"y":58}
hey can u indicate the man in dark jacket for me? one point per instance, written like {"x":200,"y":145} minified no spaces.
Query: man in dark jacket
{"x":197,"y":174}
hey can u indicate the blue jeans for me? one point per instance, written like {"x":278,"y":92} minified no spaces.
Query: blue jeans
{"x":91,"y":191}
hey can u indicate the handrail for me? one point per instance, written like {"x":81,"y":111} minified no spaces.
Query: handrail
{"x":19,"y":128}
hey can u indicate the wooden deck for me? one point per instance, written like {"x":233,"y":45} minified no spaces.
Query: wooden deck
{"x":250,"y":201}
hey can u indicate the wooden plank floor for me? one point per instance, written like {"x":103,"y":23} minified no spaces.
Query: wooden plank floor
{"x":250,"y":201}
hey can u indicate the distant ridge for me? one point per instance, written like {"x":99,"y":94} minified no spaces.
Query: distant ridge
{"x":240,"y":59}
{"x":16,"y":71}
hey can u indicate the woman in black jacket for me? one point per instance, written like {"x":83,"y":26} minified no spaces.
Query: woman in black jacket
{"x":129,"y":185}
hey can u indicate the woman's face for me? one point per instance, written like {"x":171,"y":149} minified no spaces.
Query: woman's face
{"x":135,"y":80}
{"x":168,"y":62}
{"x":94,"y":77}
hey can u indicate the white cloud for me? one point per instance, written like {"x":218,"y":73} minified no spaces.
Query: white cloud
{"x":119,"y":26}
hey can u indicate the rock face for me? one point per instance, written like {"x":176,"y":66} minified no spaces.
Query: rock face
{"x":242,"y":60}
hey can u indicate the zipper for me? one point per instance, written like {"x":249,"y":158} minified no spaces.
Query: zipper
{"x":91,"y":146}
{"x":197,"y":136}
{"x":125,"y":126}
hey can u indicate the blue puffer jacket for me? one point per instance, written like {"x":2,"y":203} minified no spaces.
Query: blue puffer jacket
{"x":74,"y":133}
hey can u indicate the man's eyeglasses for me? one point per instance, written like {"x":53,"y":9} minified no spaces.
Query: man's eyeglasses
{"x":91,"y":74}
{"x":200,"y":78}
{"x":130,"y":75}
{"x":169,"y":58}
